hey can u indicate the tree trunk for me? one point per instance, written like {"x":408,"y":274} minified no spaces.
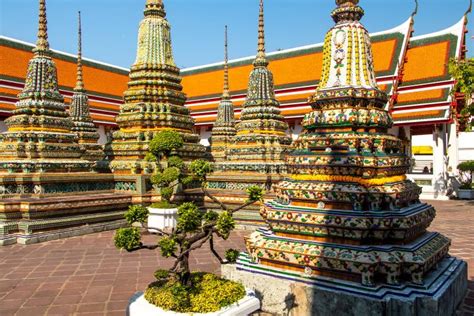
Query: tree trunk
{"x":183,"y":272}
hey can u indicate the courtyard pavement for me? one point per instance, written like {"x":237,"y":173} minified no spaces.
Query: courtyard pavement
{"x":88,"y":276}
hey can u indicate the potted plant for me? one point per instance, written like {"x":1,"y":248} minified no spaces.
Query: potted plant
{"x":466,"y":170}
{"x":167,"y":179}
{"x":178,"y":290}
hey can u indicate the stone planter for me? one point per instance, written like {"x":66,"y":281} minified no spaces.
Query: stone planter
{"x":139,"y":306}
{"x":162,"y":218}
{"x":466,"y":194}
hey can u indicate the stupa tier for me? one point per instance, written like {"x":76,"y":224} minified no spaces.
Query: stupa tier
{"x":346,"y":210}
{"x":39,"y":137}
{"x":223,"y":130}
{"x":154,"y":100}
{"x":256,"y":154}
{"x":82,"y":123}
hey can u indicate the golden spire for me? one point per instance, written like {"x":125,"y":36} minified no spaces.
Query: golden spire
{"x":261,"y":59}
{"x":226,"y":93}
{"x":155,"y":8}
{"x":79,"y":82}
{"x":42,"y":45}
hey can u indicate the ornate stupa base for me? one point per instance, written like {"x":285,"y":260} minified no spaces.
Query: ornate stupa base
{"x":42,"y":207}
{"x":230,"y":189}
{"x":285,"y":292}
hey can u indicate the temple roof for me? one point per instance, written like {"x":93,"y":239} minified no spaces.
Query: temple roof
{"x":418,"y":75}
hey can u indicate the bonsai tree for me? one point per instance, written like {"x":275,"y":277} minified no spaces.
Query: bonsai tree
{"x":170,"y":167}
{"x":178,"y":289}
{"x":466,"y":170}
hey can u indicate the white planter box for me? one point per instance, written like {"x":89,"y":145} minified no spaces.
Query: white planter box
{"x":162,"y":218}
{"x":466,"y":194}
{"x":139,"y":306}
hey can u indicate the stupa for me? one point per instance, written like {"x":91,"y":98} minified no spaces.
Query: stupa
{"x":223,"y":130}
{"x":82,"y":123}
{"x":154,"y":102}
{"x":347,"y":224}
{"x":47,"y":187}
{"x":39,"y":137}
{"x":256,"y":154}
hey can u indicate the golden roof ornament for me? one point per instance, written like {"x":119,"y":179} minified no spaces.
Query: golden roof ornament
{"x":42,"y":44}
{"x":226,"y":93}
{"x":261,"y":59}
{"x":79,"y":81}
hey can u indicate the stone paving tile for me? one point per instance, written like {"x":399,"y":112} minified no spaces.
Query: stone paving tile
{"x":88,"y":276}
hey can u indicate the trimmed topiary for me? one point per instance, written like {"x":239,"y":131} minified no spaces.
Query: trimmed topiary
{"x":231,"y":255}
{"x":165,"y":142}
{"x":136,"y":214}
{"x":466,"y":169}
{"x":127,"y":238}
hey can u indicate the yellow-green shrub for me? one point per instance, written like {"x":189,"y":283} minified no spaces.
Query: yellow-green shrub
{"x":209,"y":293}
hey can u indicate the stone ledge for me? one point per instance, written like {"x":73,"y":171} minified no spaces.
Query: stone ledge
{"x":60,"y":234}
{"x":289,"y":293}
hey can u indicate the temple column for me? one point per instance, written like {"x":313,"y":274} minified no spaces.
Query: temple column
{"x":439,"y":162}
{"x":453,"y":149}
{"x":453,"y":158}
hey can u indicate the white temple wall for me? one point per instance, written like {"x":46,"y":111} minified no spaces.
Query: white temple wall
{"x":296,"y":131}
{"x":466,"y":146}
{"x":205,"y":134}
{"x":102,"y":135}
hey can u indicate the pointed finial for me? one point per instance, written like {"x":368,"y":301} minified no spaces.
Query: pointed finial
{"x":261,"y":59}
{"x":155,"y":8}
{"x":415,"y":12}
{"x":469,"y":10}
{"x":42,"y":45}
{"x":226,"y":93}
{"x":79,"y":82}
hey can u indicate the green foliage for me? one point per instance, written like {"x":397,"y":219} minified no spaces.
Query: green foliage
{"x":463,"y":72}
{"x":187,"y":180}
{"x":161,"y":274}
{"x":168,"y":246}
{"x":166,"y":194}
{"x":127,"y":238}
{"x":175,"y":162}
{"x":170,"y":296}
{"x":189,"y":217}
{"x":255,"y":193}
{"x":200,"y":168}
{"x":225,"y":224}
{"x":166,"y":142}
{"x":150,"y":157}
{"x":136,"y":214}
{"x":210,"y":216}
{"x":466,"y":166}
{"x":163,"y":204}
{"x":171,"y":174}
{"x":166,"y":181}
{"x":231,"y":255}
{"x":166,"y":178}
{"x":467,"y":170}
{"x":208,"y":294}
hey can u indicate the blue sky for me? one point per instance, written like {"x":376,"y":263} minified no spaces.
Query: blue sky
{"x":110,"y":26}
